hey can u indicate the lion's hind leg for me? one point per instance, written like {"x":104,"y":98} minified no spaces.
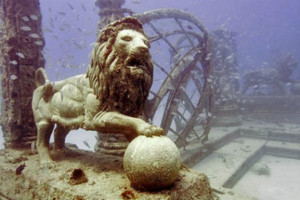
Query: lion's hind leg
{"x":44,"y":129}
{"x":60,"y":134}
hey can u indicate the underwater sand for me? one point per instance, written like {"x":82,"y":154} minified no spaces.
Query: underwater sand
{"x":222,"y":163}
{"x":282,"y":182}
{"x":279,"y":180}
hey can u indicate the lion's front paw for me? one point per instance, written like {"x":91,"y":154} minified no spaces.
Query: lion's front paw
{"x":55,"y":118}
{"x":151,"y":130}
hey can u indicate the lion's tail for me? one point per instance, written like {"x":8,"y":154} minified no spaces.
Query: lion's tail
{"x":41,"y":80}
{"x":40,"y":77}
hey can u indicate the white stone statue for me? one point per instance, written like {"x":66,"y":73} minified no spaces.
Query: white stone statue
{"x":109,"y":98}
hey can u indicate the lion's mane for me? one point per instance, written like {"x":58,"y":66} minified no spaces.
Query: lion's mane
{"x":107,"y":90}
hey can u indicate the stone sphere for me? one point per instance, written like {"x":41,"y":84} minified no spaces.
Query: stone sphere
{"x":152,"y":163}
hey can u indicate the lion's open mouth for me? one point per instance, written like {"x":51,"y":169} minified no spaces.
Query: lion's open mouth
{"x":134,"y":63}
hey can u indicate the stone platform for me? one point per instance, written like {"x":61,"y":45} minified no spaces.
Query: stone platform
{"x":82,"y":175}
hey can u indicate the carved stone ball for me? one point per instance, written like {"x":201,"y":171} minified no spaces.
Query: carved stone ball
{"x":152,"y":163}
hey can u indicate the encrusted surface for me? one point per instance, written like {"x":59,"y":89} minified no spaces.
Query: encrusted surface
{"x":21,"y":42}
{"x":106,"y":179}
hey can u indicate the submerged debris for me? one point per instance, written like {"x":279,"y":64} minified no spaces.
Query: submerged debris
{"x":20,"y":169}
{"x":128,"y":195}
{"x":76,"y":176}
{"x":262,"y":169}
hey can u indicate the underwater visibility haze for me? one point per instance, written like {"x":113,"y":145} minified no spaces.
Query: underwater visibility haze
{"x":226,"y":83}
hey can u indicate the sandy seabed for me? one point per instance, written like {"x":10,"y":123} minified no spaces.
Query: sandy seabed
{"x":282,"y":181}
{"x":270,"y":178}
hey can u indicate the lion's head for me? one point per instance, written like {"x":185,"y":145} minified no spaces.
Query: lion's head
{"x":121,"y":69}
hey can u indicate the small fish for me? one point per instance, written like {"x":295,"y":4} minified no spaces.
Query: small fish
{"x":20,"y":169}
{"x":92,"y":44}
{"x":82,"y":66}
{"x":20,"y":55}
{"x":62,"y":13}
{"x":51,"y":24}
{"x":14,"y":62}
{"x":177,"y":100}
{"x":86,"y":144}
{"x":46,"y":30}
{"x":25,"y":28}
{"x":209,"y":80}
{"x":208,"y":57}
{"x":202,"y":117}
{"x":70,"y":6}
{"x":83,"y":7}
{"x":33,"y":17}
{"x":56,"y":37}
{"x":135,"y":1}
{"x":13,"y":77}
{"x":25,"y":18}
{"x":189,"y":27}
{"x":34,"y":35}
{"x":39,"y":43}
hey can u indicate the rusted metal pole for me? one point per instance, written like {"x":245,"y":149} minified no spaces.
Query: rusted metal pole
{"x":21,"y":54}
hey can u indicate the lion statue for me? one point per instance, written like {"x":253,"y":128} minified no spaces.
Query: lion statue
{"x":109,"y":98}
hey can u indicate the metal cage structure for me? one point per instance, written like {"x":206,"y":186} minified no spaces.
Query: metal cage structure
{"x":182,"y":93}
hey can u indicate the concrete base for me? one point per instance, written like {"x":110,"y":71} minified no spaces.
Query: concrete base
{"x":99,"y":177}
